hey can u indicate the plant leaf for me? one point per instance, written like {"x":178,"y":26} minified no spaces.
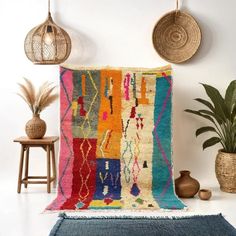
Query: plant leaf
{"x":42,"y":89}
{"x":27,"y":102}
{"x":218,"y":101}
{"x":212,"y":114}
{"x":205,"y":129}
{"x":206,"y":103}
{"x":230,"y":96}
{"x":31,"y":89}
{"x":27,"y":94}
{"x":210,"y":142}
{"x":200,"y":114}
{"x":50,"y":99}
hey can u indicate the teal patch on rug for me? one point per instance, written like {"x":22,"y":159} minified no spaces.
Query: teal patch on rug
{"x":212,"y":225}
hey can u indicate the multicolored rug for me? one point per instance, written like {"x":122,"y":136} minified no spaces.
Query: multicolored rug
{"x":115,"y":139}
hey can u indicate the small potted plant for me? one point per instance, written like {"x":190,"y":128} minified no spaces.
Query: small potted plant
{"x":37,"y":102}
{"x":221,"y":113}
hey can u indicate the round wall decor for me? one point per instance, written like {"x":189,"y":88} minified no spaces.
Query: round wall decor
{"x":176,"y":36}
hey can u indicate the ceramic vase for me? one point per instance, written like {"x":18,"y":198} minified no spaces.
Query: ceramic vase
{"x":36,"y":127}
{"x":204,"y":194}
{"x":185,"y":185}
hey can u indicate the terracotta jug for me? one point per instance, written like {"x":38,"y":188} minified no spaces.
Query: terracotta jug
{"x":185,"y":185}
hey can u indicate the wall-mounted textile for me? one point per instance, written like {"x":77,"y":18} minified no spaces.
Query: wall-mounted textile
{"x":115,"y":139}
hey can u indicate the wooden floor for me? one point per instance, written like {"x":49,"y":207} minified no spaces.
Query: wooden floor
{"x":21,"y":214}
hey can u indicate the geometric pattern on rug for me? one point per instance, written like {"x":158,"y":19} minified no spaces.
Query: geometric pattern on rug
{"x":115,"y":142}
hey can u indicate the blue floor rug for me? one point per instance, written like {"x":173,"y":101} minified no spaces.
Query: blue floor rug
{"x":212,"y":225}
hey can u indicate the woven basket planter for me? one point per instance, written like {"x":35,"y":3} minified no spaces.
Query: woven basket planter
{"x":225,"y":168}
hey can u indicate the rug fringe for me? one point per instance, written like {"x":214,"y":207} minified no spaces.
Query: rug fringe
{"x":112,"y":211}
{"x":141,"y":69}
{"x":65,"y":216}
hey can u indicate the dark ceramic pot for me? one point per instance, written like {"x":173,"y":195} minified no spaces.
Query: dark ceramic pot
{"x":185,"y":185}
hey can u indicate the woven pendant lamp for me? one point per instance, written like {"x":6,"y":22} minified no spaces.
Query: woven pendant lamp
{"x":47,"y":43}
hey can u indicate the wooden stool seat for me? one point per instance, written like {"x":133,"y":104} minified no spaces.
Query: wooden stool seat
{"x":47,"y":143}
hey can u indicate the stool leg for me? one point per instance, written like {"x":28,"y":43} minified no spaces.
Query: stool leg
{"x":48,"y":169}
{"x":27,"y":166}
{"x":54,"y":164}
{"x":21,"y":168}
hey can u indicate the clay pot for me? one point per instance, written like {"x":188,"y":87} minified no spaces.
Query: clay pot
{"x":35,"y":128}
{"x":225,"y":168}
{"x":204,"y":194}
{"x":185,"y":185}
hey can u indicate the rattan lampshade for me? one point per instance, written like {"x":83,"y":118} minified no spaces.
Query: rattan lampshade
{"x":47,"y":43}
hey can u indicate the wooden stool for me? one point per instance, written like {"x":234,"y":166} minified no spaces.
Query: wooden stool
{"x":47,"y":143}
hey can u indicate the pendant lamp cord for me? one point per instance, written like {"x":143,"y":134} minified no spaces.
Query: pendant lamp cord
{"x":176,"y":10}
{"x":48,"y":6}
{"x":177,"y":5}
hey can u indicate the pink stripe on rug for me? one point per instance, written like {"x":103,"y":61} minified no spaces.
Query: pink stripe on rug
{"x":66,"y":141}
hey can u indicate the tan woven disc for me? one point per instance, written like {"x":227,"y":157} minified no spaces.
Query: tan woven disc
{"x":176,"y":36}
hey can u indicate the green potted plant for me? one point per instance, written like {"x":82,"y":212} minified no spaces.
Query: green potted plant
{"x":221,"y":113}
{"x":37,"y":102}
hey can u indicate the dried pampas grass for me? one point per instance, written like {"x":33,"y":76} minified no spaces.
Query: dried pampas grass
{"x":37,"y":101}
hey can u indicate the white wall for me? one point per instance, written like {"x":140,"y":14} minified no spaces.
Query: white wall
{"x":116,"y":33}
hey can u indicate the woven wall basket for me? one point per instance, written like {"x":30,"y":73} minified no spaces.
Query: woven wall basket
{"x":176,"y":36}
